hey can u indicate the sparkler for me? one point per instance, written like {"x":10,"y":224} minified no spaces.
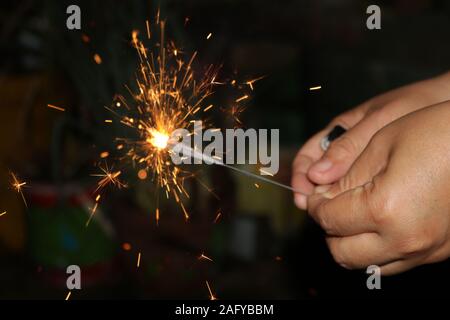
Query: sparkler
{"x":3,"y":213}
{"x":190,"y":152}
{"x":168,"y":96}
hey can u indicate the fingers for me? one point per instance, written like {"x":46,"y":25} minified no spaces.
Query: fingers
{"x":344,"y":215}
{"x":342,"y":152}
{"x":400,"y":266}
{"x":349,"y":207}
{"x":312,"y":152}
{"x":361,"y":251}
{"x":307,"y":155}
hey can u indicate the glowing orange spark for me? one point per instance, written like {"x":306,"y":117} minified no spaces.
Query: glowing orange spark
{"x":126,"y":246}
{"x":203,"y":257}
{"x":56,"y":108}
{"x":94,"y":209}
{"x":108,"y":177}
{"x":138,"y":260}
{"x":17,"y":185}
{"x":211,"y":295}
{"x":108,"y":121}
{"x":104,"y":155}
{"x":219,"y":214}
{"x":147,"y":24}
{"x":242,"y":98}
{"x":85,"y":38}
{"x":235,"y":112}
{"x":97,"y":58}
{"x":208,"y":107}
{"x":251,"y":82}
{"x":3,"y":213}
{"x":142,"y":174}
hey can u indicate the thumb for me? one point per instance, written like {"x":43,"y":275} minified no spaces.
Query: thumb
{"x":342,"y":152}
{"x":372,"y":161}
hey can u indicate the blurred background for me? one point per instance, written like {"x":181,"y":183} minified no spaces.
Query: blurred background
{"x":261,"y":245}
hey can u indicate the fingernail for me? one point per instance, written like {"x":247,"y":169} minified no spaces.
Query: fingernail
{"x":322,"y":165}
{"x":300,"y":201}
{"x":322,"y":189}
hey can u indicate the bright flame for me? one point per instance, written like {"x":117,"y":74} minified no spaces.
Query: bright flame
{"x":158,"y":139}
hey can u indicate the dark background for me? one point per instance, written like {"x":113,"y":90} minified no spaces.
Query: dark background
{"x":262,"y":247}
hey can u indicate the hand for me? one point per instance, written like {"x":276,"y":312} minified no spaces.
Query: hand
{"x":312,"y":166}
{"x":392,"y":208}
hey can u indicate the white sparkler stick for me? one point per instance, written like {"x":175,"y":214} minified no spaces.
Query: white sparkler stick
{"x":195,"y":154}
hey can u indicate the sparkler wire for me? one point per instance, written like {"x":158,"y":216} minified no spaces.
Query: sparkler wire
{"x":195,"y":154}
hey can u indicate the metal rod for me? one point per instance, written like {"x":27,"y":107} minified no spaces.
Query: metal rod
{"x":189,"y":151}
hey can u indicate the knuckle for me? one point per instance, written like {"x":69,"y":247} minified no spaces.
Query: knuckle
{"x":382,"y":206}
{"x":343,"y":147}
{"x":377,"y":139}
{"x":339,"y":120}
{"x":414,"y":244}
{"x":383,"y":114}
{"x":347,"y":182}
{"x":324,"y":220}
